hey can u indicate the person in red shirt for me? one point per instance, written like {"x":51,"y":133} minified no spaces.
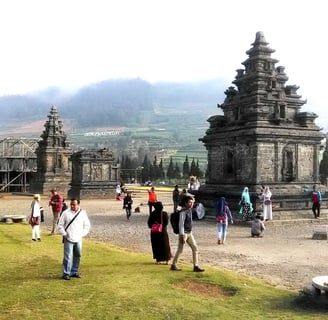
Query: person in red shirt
{"x":56,"y":203}
{"x":152,"y":199}
{"x":316,"y":201}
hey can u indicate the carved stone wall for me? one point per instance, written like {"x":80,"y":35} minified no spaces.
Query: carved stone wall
{"x":94,"y":173}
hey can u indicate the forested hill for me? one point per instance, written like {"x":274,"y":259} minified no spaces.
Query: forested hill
{"x":116,"y":102}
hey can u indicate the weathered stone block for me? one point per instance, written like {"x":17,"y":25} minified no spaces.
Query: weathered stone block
{"x":320,"y":232}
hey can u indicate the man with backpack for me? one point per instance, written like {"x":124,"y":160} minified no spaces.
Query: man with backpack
{"x":185,"y":234}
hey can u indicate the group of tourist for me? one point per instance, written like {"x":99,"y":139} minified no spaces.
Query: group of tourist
{"x":73,"y":224}
{"x":223,"y":214}
{"x":246,"y":206}
{"x":183,"y":202}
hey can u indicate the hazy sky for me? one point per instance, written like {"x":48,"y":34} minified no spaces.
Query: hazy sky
{"x":69,"y":43}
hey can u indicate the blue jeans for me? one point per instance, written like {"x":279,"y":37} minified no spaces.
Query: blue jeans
{"x":222,"y":231}
{"x":72,"y":257}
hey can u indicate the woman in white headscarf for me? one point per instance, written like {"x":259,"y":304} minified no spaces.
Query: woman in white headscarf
{"x":267,"y":204}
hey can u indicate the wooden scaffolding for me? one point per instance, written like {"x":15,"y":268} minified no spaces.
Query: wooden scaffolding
{"x":18,"y":163}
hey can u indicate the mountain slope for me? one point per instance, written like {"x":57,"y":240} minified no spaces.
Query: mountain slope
{"x":115,"y":102}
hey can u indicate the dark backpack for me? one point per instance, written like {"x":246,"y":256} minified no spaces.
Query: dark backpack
{"x":174,"y":220}
{"x":65,"y":207}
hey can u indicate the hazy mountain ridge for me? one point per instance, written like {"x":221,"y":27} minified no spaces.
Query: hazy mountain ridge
{"x":116,"y":102}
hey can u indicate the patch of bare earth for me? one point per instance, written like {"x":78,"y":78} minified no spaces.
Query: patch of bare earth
{"x":205,"y":289}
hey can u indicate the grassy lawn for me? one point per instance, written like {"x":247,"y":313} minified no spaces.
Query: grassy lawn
{"x":122,"y":284}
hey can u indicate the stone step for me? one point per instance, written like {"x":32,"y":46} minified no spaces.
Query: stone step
{"x":279,"y":223}
{"x":297,"y":222}
{"x":291,"y":217}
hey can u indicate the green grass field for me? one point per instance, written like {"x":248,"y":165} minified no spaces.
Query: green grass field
{"x":122,"y":284}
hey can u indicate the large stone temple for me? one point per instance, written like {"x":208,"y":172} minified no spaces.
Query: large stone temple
{"x":263,"y":137}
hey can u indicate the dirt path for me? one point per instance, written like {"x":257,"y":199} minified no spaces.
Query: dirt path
{"x":286,"y":256}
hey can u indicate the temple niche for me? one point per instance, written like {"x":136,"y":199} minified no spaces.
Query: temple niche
{"x":262,"y":138}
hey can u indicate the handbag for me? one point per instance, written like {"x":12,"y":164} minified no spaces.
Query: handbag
{"x":267,"y":202}
{"x":157,"y":227}
{"x":34,"y":221}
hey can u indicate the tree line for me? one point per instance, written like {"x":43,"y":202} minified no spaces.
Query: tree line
{"x":155,"y":170}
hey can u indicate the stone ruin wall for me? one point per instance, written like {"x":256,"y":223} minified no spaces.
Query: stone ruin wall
{"x":266,"y":165}
{"x":306,"y":162}
{"x":94,"y":171}
{"x":269,"y":167}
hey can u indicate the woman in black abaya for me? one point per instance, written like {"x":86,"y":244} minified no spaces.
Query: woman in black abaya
{"x":160,"y":240}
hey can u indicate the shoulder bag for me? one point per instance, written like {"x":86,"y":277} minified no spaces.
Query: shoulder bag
{"x":71,"y":223}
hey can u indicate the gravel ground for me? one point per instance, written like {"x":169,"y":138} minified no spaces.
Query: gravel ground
{"x":286,"y":256}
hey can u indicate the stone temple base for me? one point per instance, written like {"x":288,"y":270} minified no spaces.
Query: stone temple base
{"x":285,"y":197}
{"x":92,"y":191}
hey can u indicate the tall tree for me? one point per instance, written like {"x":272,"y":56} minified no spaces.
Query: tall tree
{"x":156,"y":174}
{"x":177,"y":172}
{"x":199,"y":172}
{"x":146,"y":171}
{"x":170,"y":170}
{"x":186,"y":168}
{"x":161,"y":170}
{"x":193,"y":168}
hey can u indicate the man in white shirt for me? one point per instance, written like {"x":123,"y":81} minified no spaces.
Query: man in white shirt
{"x":73,"y":225}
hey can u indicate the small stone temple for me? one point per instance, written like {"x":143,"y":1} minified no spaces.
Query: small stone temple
{"x":78,"y":174}
{"x":53,"y":166}
{"x":93,"y":173}
{"x":263,"y":137}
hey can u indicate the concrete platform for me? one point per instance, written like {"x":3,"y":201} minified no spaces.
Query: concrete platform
{"x":14,"y":219}
{"x":320,"y":283}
